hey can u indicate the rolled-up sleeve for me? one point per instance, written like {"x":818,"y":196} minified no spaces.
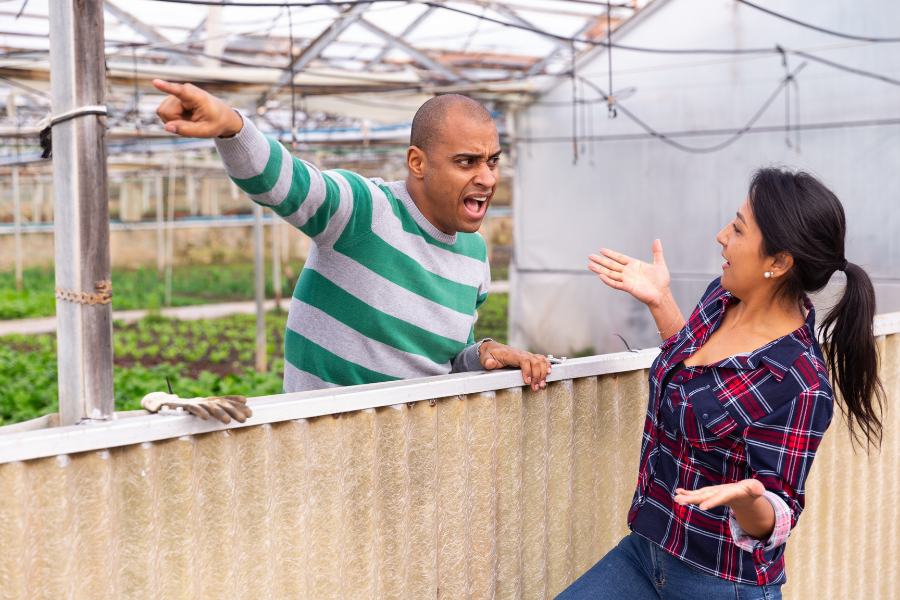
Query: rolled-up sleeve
{"x":780,"y":533}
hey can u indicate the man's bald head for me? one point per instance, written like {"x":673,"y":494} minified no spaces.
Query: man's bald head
{"x":432,"y":116}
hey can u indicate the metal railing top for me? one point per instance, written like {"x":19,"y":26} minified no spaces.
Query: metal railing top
{"x":54,"y":441}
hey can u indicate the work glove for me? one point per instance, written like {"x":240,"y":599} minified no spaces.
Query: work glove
{"x":222,"y":408}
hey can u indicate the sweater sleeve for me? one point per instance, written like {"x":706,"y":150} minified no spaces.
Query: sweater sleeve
{"x":294,"y":189}
{"x":468,"y":359}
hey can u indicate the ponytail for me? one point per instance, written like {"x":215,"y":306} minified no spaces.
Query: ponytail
{"x":799,"y":216}
{"x":852,"y":357}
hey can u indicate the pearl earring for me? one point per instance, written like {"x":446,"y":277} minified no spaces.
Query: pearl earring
{"x":769,"y":274}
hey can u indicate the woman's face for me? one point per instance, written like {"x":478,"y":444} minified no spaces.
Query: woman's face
{"x":744,"y":267}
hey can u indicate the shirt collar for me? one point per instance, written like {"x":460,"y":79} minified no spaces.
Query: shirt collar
{"x":780,"y":354}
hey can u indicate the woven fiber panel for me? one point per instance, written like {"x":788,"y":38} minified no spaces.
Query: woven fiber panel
{"x":847,"y":543}
{"x":505,"y":494}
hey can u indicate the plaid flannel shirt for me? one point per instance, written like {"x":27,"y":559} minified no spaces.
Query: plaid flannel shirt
{"x":761,"y":415}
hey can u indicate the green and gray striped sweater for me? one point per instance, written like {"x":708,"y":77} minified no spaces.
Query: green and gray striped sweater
{"x":384,"y":294}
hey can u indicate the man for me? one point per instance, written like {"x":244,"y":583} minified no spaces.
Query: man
{"x":396,"y":271}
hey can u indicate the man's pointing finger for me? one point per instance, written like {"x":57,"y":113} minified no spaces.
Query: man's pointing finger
{"x":176,"y":89}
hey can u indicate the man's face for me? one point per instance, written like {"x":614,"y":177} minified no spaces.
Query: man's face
{"x":459,"y":174}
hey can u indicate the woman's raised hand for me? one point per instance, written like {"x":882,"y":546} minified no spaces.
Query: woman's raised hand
{"x":648,"y":283}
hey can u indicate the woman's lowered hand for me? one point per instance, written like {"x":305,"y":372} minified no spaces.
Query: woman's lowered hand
{"x":649,"y":283}
{"x":753,"y":512}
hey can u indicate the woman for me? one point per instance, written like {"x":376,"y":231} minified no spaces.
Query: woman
{"x":740,"y":398}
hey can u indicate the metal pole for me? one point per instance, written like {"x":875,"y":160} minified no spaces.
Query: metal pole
{"x":488,"y":238}
{"x":170,"y":241}
{"x":276,"y":260}
{"x":123,"y":201}
{"x":37,"y":202}
{"x":160,"y":240}
{"x":17,"y":220}
{"x":81,"y":199}
{"x":259,"y":287}
{"x":191,"y":194}
{"x":215,"y":198}
{"x":145,"y":198}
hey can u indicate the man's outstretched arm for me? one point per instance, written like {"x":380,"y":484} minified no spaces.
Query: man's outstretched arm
{"x":263,"y":168}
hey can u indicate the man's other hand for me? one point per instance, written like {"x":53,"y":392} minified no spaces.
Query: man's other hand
{"x":192,"y":112}
{"x":535,"y":367}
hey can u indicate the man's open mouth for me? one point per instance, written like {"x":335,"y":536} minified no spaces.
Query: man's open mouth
{"x":475,"y":206}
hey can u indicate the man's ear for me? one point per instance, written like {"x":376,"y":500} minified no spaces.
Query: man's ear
{"x":416,"y":161}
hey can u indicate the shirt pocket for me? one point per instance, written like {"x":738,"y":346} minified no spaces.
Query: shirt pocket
{"x":706,"y":424}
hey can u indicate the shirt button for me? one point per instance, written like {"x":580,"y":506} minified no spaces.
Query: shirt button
{"x":705,"y":417}
{"x":679,"y":378}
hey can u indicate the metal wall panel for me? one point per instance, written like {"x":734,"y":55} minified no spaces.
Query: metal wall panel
{"x":504,"y":494}
{"x":627,"y":188}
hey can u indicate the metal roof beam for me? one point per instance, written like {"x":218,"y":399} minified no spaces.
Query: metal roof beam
{"x":514,"y":16}
{"x":417,"y":55}
{"x":314,"y":50}
{"x":412,"y":26}
{"x":539,"y":65}
{"x":149,"y":32}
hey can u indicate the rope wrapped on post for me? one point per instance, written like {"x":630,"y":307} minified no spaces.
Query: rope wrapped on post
{"x":46,"y":124}
{"x":104,"y":295}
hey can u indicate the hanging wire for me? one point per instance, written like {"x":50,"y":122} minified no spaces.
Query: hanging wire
{"x":538,"y":31}
{"x":291,"y":68}
{"x":137,"y":93}
{"x":583,"y":117}
{"x":787,"y":101}
{"x":817,"y":28}
{"x":589,"y":134}
{"x":611,"y":102}
{"x":797,"y":114}
{"x":574,"y":110}
{"x":474,"y":31}
{"x":737,"y":135}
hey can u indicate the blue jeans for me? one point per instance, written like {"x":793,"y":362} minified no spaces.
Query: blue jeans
{"x":638,"y":569}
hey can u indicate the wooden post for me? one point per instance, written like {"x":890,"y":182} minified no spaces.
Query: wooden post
{"x":17,"y":225}
{"x":259,"y":287}
{"x":81,"y":199}
{"x":160,"y":240}
{"x":276,"y":260}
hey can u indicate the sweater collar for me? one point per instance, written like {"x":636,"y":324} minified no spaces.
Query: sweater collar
{"x":400,"y":191}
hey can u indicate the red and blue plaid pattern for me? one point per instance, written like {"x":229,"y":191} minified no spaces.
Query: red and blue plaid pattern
{"x":760,"y":415}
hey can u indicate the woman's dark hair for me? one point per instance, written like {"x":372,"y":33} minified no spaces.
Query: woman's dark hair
{"x":799,"y":216}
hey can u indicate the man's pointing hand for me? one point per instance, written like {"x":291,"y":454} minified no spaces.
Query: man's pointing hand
{"x":192,"y":112}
